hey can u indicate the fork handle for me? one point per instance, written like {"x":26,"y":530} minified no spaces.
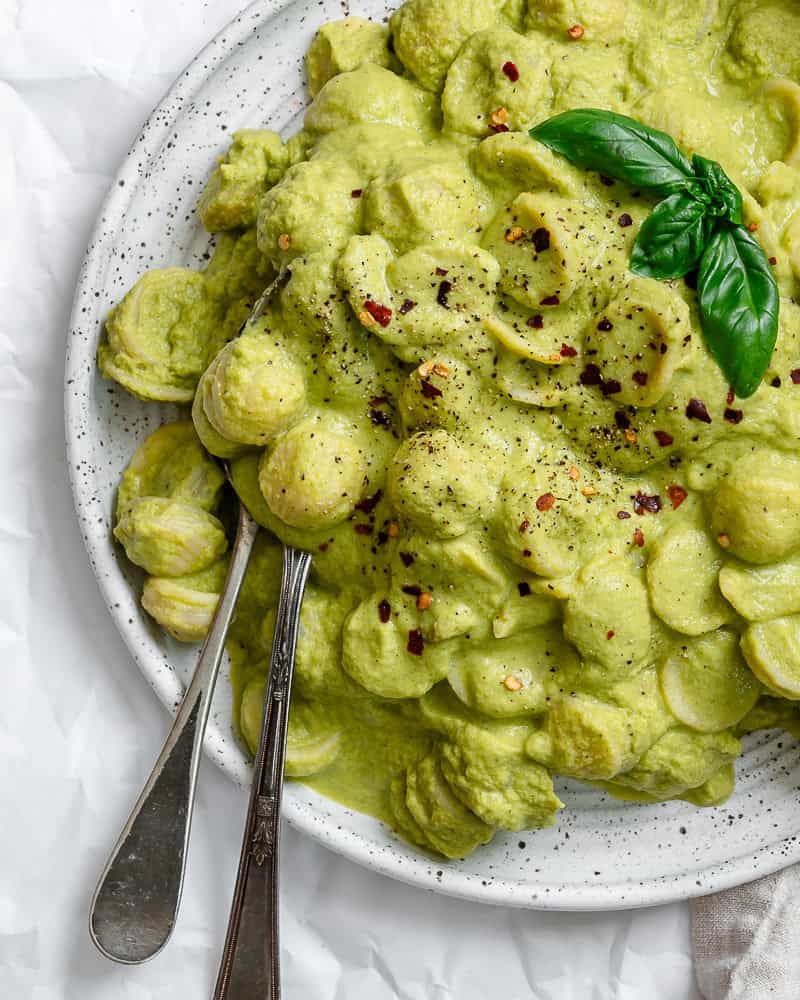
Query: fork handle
{"x":250,"y":966}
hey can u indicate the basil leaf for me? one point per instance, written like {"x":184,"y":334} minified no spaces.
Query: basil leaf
{"x":672,"y":238}
{"x":725,"y":197}
{"x":739,"y":304}
{"x":618,"y":147}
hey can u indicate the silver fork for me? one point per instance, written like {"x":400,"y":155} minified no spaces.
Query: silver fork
{"x":250,"y":966}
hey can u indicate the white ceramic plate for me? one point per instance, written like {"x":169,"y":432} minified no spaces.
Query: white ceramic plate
{"x":603,"y":854}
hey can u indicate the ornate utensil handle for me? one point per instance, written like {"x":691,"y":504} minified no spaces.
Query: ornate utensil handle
{"x":136,"y":903}
{"x":250,"y":966}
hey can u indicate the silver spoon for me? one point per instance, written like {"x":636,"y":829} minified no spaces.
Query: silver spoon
{"x":135,"y":906}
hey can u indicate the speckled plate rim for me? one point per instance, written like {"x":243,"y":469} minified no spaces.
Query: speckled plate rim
{"x":384,"y":858}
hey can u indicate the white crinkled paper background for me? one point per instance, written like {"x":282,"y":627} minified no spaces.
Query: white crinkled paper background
{"x":79,"y":728}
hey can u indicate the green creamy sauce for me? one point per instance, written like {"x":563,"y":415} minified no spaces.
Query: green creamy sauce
{"x":546,"y":538}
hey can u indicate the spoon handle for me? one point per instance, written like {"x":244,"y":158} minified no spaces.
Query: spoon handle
{"x":250,"y":966}
{"x":136,"y":903}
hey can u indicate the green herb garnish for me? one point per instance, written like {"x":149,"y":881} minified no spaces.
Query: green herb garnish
{"x":672,"y":238}
{"x":698,"y":224}
{"x":738,"y":306}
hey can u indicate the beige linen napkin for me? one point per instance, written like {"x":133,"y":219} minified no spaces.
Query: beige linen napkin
{"x":747,"y":940}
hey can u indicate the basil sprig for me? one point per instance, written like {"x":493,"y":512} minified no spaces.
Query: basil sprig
{"x":697,"y":224}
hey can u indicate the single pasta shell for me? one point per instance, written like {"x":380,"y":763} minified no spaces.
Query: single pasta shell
{"x":772,"y":650}
{"x":707,"y":684}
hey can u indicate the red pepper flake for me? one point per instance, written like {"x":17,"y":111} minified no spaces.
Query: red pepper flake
{"x":730,"y":397}
{"x":625,"y":220}
{"x":362,"y":529}
{"x":576,"y":31}
{"x":379,"y":401}
{"x":442,"y":271}
{"x":511,"y":71}
{"x":407,"y":558}
{"x":356,"y":192}
{"x":638,"y":538}
{"x":545,"y":502}
{"x":640,"y":378}
{"x":734,"y":416}
{"x":406,"y":307}
{"x":524,"y":525}
{"x":445,"y":287}
{"x":610,"y":387}
{"x":622,"y":420}
{"x":524,"y":588}
{"x":605,"y":325}
{"x":752,"y":227}
{"x":323,"y":547}
{"x":610,"y":634}
{"x":663,"y":438}
{"x":384,"y":611}
{"x":424,"y":601}
{"x":773,"y":261}
{"x":591,"y":375}
{"x":795,"y":376}
{"x":381,"y":314}
{"x":567,"y":351}
{"x":416,"y":644}
{"x":535,"y":322}
{"x":697,"y":410}
{"x":499,"y":127}
{"x":551,"y":300}
{"x":412,"y":590}
{"x":623,"y":515}
{"x":644,"y":504}
{"x":541,"y":240}
{"x":677,"y":495}
{"x":368,"y":504}
{"x":429,"y":390}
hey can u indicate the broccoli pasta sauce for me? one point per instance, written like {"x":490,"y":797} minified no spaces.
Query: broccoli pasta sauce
{"x":549,"y":539}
